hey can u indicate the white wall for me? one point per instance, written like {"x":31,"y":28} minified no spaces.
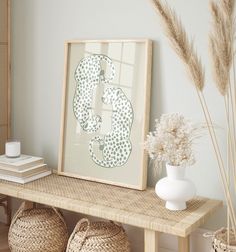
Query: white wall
{"x":39,"y":29}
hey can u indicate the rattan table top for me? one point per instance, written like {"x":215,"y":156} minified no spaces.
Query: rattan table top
{"x":138,"y":208}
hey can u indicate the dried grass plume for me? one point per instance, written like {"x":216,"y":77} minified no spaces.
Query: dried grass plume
{"x":228,"y":7}
{"x":182,"y":45}
{"x":221,"y":43}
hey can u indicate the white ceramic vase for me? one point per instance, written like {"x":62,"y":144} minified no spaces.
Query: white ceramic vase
{"x":174,"y":188}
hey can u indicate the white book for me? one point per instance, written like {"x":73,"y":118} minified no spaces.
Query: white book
{"x":24,"y":173}
{"x":20,"y":163}
{"x":25,"y":180}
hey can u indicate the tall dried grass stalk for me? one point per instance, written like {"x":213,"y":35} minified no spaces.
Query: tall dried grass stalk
{"x":233,"y":94}
{"x":177,"y":36}
{"x":230,"y":129}
{"x":222,"y":54}
{"x":223,"y":173}
{"x":230,"y":114}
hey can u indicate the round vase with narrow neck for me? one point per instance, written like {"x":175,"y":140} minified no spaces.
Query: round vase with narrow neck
{"x":175,"y":189}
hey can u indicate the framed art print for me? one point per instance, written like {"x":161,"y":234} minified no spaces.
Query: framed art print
{"x":105,"y":111}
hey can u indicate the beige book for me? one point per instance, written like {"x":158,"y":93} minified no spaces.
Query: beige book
{"x":20,"y":163}
{"x":25,"y":180}
{"x":25,"y":173}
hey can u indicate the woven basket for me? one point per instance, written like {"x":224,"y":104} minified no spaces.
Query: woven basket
{"x":37,"y":230}
{"x":220,"y":241}
{"x":98,"y":237}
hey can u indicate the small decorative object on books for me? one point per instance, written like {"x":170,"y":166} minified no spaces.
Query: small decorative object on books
{"x":171,"y":142}
{"x":98,"y":236}
{"x":13,"y":149}
{"x":37,"y":230}
{"x":22,"y":169}
{"x":106,"y":111}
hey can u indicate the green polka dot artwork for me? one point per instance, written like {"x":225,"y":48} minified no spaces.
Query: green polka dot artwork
{"x":88,"y":75}
{"x":105,"y":111}
{"x":113,"y":147}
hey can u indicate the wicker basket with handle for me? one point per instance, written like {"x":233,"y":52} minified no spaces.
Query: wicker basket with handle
{"x":37,"y":230}
{"x":97,"y":237}
{"x":221,"y":242}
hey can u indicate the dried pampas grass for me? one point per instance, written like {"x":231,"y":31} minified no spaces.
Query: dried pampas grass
{"x":221,"y":45}
{"x":228,"y":7}
{"x":222,"y":55}
{"x":181,"y":44}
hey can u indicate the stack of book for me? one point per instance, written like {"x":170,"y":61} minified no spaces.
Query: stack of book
{"x":23,"y":169}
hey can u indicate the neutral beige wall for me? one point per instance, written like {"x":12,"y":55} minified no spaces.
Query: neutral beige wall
{"x":39,"y":29}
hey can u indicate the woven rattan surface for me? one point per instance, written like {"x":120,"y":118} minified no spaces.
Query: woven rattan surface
{"x":98,"y":236}
{"x":138,"y":208}
{"x":221,"y":243}
{"x":38,"y":230}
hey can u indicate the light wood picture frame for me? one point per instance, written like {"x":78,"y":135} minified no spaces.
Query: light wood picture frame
{"x":105,"y":111}
{"x":5,"y":73}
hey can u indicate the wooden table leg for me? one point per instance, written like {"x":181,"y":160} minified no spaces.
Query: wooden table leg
{"x":29,"y":205}
{"x":8,"y":211}
{"x":184,"y":245}
{"x":150,"y":241}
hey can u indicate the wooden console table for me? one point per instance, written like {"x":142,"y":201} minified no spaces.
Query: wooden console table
{"x":142,"y":209}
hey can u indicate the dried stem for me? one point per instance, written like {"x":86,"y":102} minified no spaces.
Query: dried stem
{"x":220,"y":162}
{"x":234,"y":116}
